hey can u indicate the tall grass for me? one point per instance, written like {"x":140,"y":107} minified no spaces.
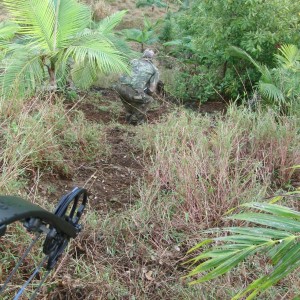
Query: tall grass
{"x":201,"y":166}
{"x":198,"y":168}
{"x":40,"y":135}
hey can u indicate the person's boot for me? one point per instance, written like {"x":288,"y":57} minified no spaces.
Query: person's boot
{"x":141,"y":119}
{"x":128,"y":117}
{"x":133,"y":120}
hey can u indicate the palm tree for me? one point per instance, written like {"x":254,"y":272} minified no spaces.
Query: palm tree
{"x":276,"y":234}
{"x":55,"y":38}
{"x":279,"y":85}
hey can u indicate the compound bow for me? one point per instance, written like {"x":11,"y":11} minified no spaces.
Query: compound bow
{"x":59,"y":227}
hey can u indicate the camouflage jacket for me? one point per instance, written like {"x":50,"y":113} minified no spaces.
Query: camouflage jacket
{"x":143,"y":75}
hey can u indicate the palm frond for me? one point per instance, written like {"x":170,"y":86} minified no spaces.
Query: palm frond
{"x":121,"y":45}
{"x":271,"y":91}
{"x":238,"y":52}
{"x":8,"y":30}
{"x":266,"y":74}
{"x":106,"y":25}
{"x":36,"y":17}
{"x":73,"y":18}
{"x":22,"y":75}
{"x":63,"y":70}
{"x":84,"y":75}
{"x":133,"y":34}
{"x":278,"y":239}
{"x":289,"y":56}
{"x":99,"y":52}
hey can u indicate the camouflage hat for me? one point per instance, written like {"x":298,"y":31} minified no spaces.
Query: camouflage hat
{"x":148,"y":53}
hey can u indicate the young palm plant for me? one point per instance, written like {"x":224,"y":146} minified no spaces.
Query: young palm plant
{"x":279,"y":85}
{"x":276,"y":234}
{"x":53,"y":40}
{"x":145,"y":36}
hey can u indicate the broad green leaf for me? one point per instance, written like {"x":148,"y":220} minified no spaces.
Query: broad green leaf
{"x":212,"y":263}
{"x":205,"y":242}
{"x":268,"y":220}
{"x":280,"y":249}
{"x":259,"y":231}
{"x":226,"y":265}
{"x":274,"y":209}
{"x":275,"y":199}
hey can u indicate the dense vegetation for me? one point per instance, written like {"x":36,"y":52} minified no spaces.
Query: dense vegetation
{"x":197,"y":167}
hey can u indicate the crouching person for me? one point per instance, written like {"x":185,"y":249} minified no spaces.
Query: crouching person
{"x":135,"y":90}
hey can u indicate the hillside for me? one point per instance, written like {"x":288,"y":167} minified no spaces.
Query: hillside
{"x":153,"y":190}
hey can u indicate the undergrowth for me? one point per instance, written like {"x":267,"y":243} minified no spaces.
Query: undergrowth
{"x":198,"y":167}
{"x":40,"y":135}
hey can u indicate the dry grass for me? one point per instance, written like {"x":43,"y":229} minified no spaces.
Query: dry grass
{"x":203,"y":167}
{"x":41,"y":135}
{"x":200,"y":168}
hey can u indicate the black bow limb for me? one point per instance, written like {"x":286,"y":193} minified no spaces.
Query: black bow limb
{"x":59,"y":227}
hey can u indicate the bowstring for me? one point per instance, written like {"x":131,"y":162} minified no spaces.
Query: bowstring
{"x":36,"y":271}
{"x":14,"y":270}
{"x":39,"y":286}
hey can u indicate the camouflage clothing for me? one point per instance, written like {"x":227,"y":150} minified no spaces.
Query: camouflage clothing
{"x":131,"y":89}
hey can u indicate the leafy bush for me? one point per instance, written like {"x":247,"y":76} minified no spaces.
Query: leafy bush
{"x":145,"y":36}
{"x":259,"y":27}
{"x":278,"y":86}
{"x":186,"y":86}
